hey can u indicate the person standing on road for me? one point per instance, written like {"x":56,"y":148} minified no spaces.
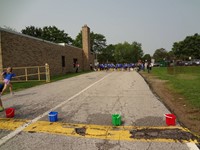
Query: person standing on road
{"x":91,"y":67}
{"x":149,"y":67}
{"x":145,"y":65}
{"x":7,"y":76}
{"x":77,"y":67}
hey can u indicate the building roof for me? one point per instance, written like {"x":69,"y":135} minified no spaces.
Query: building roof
{"x":28,"y":36}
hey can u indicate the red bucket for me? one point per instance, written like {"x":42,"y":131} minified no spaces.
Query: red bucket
{"x":10,"y":112}
{"x":170,"y":119}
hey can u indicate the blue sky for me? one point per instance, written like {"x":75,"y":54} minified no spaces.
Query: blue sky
{"x":153,"y":23}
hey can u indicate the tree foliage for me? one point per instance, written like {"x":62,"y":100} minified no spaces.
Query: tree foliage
{"x":171,"y":56}
{"x":146,"y":57}
{"x":122,"y":53}
{"x":126,"y":53}
{"x":78,"y":40}
{"x":107,"y":54}
{"x":160,"y":54}
{"x":49,"y":33}
{"x":97,"y":42}
{"x":189,"y":47}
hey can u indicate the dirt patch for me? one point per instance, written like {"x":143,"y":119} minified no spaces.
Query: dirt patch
{"x":186,"y":115}
{"x":174,"y":134}
{"x":80,"y":131}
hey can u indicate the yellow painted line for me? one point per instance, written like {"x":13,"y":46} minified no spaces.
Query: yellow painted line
{"x":11,"y":124}
{"x":96,"y":131}
{"x":87,"y":131}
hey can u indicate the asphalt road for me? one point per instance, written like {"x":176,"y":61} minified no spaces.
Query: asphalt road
{"x":86,"y":99}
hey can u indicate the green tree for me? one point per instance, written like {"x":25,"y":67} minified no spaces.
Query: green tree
{"x":189,"y":47}
{"x":97,"y":42}
{"x":78,"y":40}
{"x":127,"y":53}
{"x":49,"y":33}
{"x":160,"y":54}
{"x":32,"y":31}
{"x":146,"y":57}
{"x":137,"y":50}
{"x":107,"y":54}
{"x":171,"y":56}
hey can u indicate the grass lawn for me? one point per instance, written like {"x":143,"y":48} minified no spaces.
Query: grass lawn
{"x":184,"y":80}
{"x":23,"y":85}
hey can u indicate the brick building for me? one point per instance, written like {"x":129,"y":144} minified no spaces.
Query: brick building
{"x":19,"y":50}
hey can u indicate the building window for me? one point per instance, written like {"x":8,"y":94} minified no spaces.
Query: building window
{"x":63,"y":61}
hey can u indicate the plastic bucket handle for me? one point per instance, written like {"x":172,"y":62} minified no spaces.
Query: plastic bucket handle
{"x":167,"y":116}
{"x":118,"y":114}
{"x":53,"y":115}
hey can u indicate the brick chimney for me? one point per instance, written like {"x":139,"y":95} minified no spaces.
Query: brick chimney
{"x":86,"y":47}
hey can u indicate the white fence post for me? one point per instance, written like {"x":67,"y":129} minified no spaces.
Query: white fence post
{"x":26,"y":74}
{"x":38,"y":73}
{"x":47,"y":72}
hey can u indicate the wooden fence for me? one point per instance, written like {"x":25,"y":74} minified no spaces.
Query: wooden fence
{"x":32,"y":73}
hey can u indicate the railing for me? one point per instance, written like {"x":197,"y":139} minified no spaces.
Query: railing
{"x":32,"y":73}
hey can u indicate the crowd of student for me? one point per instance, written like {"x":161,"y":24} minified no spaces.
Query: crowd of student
{"x":115,"y":66}
{"x":124,"y":66}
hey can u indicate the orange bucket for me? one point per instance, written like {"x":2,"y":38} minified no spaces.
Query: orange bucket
{"x":170,"y":119}
{"x":10,"y":112}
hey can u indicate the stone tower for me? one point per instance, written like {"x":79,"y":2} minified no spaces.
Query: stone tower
{"x":86,"y":47}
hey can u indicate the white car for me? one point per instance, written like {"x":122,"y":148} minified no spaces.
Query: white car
{"x":196,"y":61}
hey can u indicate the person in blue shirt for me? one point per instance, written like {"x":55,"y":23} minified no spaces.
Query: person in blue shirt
{"x":101,"y":66}
{"x":121,"y":67}
{"x":125,"y":66}
{"x":117,"y":66}
{"x":129,"y":67}
{"x":7,"y":76}
{"x":106,"y":67}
